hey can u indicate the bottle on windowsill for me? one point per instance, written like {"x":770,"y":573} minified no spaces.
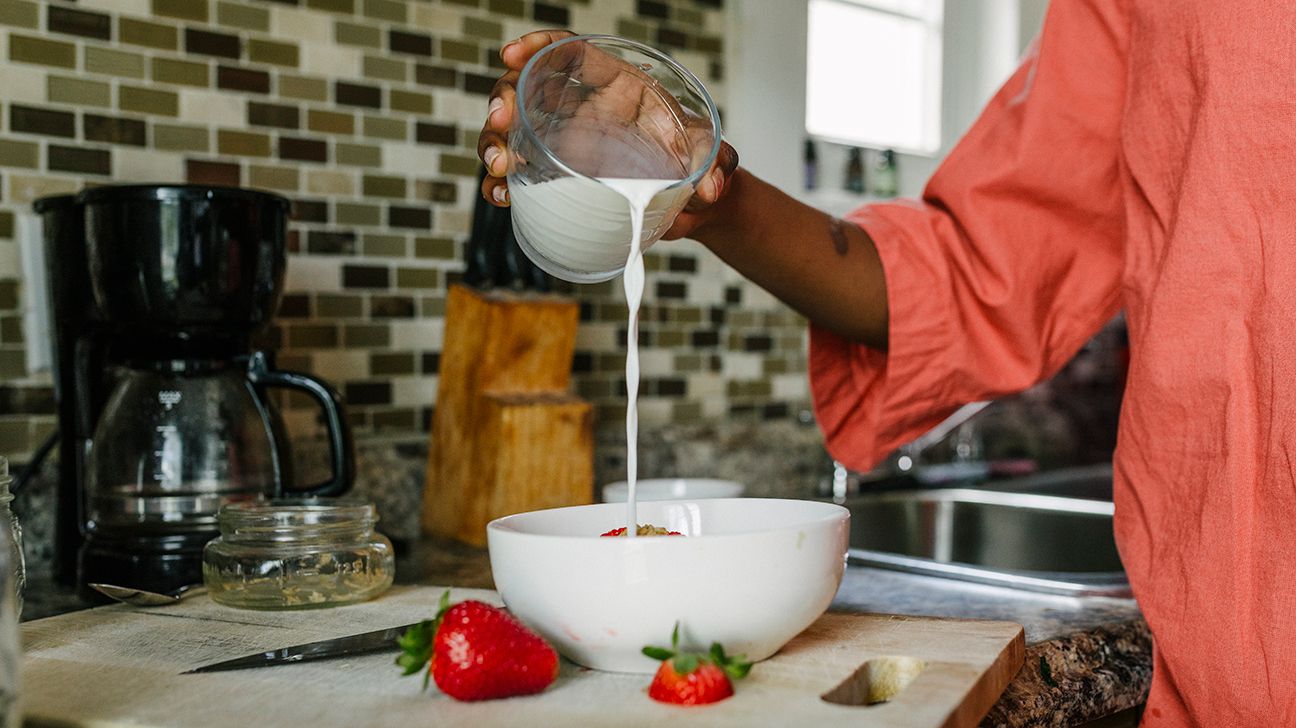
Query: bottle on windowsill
{"x":855,"y":172}
{"x":811,"y":160}
{"x":885,"y":183}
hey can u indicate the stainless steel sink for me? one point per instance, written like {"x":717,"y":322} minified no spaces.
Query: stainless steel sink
{"x":1020,"y":534}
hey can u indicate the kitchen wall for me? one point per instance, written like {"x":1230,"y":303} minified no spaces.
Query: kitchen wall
{"x":365,"y":113}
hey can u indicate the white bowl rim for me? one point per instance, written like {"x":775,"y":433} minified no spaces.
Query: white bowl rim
{"x":832,"y":513}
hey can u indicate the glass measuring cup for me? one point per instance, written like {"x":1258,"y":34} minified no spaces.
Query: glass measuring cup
{"x":595,"y":107}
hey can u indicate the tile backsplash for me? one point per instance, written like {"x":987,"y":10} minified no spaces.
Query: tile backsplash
{"x":365,"y":113}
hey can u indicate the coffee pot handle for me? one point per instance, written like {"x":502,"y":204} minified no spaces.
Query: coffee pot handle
{"x":339,"y":430}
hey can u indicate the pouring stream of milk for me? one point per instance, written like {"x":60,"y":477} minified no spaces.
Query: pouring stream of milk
{"x":638,"y":193}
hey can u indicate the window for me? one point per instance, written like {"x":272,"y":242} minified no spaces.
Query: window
{"x":873,"y":71}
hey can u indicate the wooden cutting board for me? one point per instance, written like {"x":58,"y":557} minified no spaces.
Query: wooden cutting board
{"x":120,"y":666}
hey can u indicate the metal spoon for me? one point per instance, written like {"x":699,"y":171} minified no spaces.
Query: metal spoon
{"x":141,"y":598}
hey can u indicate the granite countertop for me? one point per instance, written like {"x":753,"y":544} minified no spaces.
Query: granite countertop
{"x":1086,"y":658}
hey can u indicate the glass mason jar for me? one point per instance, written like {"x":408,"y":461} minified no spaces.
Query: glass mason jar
{"x":297,"y":554}
{"x":18,"y":563}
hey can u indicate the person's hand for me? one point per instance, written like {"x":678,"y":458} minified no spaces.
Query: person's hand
{"x":620,"y":93}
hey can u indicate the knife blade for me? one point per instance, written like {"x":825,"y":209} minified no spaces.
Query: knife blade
{"x":357,"y":644}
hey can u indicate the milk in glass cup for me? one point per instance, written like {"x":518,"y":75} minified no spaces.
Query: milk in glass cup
{"x":600,"y":118}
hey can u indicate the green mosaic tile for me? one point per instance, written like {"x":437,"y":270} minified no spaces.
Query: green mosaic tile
{"x":187,"y":73}
{"x":20,"y":13}
{"x":333,"y":6}
{"x":78,"y":91}
{"x":330,"y":122}
{"x":387,"y":246}
{"x":371,"y":335}
{"x":515,"y":8}
{"x":312,"y":336}
{"x":464,"y":3}
{"x":411,"y":101}
{"x":360,"y":155}
{"x":482,"y":29}
{"x":278,"y":54}
{"x":303,"y":87}
{"x":151,"y":35}
{"x":432,"y":306}
{"x":114,"y":63}
{"x":388,"y":69}
{"x":381,"y":127}
{"x":418,"y":278}
{"x":184,"y":9}
{"x":242,"y":144}
{"x":686,"y":411}
{"x":634,"y":30}
{"x":11,"y":329}
{"x":436,"y":248}
{"x":148,"y":101}
{"x":13,"y":364}
{"x":378,"y":186}
{"x":391,"y":10}
{"x":8,"y":295}
{"x":238,"y":15}
{"x":15,"y":435}
{"x":19,"y":154}
{"x":334,"y":306}
{"x":181,"y":138}
{"x":26,"y":49}
{"x":391,"y":363}
{"x":457,"y":50}
{"x":456,"y":164}
{"x":366,"y":36}
{"x":349,"y":213}
{"x":395,"y":419}
{"x":284,"y":179}
{"x":6,"y":225}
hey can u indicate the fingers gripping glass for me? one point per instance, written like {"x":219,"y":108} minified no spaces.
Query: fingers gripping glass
{"x":597,"y":107}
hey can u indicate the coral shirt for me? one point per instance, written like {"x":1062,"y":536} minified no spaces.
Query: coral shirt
{"x":1144,"y":158}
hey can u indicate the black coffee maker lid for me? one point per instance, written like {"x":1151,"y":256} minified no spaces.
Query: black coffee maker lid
{"x":180,"y":193}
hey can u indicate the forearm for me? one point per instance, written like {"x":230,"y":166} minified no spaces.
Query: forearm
{"x":825,"y":268}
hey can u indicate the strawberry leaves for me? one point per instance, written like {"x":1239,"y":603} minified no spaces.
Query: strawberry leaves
{"x":416,"y":643}
{"x":736,"y":666}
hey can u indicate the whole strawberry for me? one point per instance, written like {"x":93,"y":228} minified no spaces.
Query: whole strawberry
{"x":478,"y":652}
{"x":687,"y":678}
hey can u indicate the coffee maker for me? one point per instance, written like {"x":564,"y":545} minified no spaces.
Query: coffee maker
{"x":160,"y":295}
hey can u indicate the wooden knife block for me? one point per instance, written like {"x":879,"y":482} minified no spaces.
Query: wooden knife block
{"x":506,"y":435}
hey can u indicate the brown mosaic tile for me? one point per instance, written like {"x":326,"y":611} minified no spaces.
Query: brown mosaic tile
{"x":334,"y":6}
{"x":8,"y":295}
{"x":312,"y":336}
{"x":689,"y":17}
{"x":381,"y":127}
{"x":361,"y":393}
{"x":459,"y":50}
{"x":323,"y":182}
{"x":709,"y":44}
{"x":334,"y":306}
{"x":148,"y":101}
{"x":242,"y":79}
{"x":303,"y":150}
{"x":393,"y":363}
{"x":79,"y":159}
{"x":493,"y":60}
{"x":409,"y":217}
{"x":379,"y":186}
{"x":302,"y":87}
{"x":19,"y":154}
{"x":294,"y":305}
{"x":359,"y":155}
{"x":275,"y":115}
{"x":195,"y":10}
{"x":384,"y":246}
{"x":403,"y":418}
{"x":113,"y":130}
{"x":168,"y":70}
{"x":411,"y":101}
{"x":457,"y":164}
{"x":355,"y":213}
{"x":670,"y":38}
{"x":34,"y":120}
{"x":181,"y":138}
{"x":418,"y":277}
{"x":204,"y":172}
{"x":464,"y":3}
{"x":366,"y":276}
{"x":78,"y":91}
{"x":242,"y":143}
{"x":515,"y":8}
{"x":476,"y":83}
{"x":150,"y":35}
{"x":390,"y":10}
{"x":440,"y":76}
{"x":309,"y":211}
{"x":436,"y":133}
{"x":436,"y":248}
{"x":277,"y":54}
{"x":208,"y":43}
{"x":113,"y":63}
{"x":388,"y":69}
{"x":419,"y":44}
{"x":381,"y":307}
{"x":60,"y":19}
{"x":482,"y":29}
{"x":354,"y":34}
{"x":20,"y":13}
{"x":354,"y":94}
{"x":652,"y":9}
{"x":26,"y":49}
{"x":11,"y":331}
{"x":238,"y":15}
{"x":328,"y":242}
{"x":436,"y":191}
{"x":281,"y":179}
{"x":330,"y":122}
{"x":551,"y":14}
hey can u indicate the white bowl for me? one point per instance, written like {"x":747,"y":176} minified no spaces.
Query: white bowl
{"x":749,"y":573}
{"x":654,"y":489}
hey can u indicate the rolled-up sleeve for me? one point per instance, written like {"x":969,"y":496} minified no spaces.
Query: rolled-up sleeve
{"x":1009,"y":263}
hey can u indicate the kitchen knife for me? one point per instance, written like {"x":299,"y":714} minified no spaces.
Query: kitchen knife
{"x":357,"y":644}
